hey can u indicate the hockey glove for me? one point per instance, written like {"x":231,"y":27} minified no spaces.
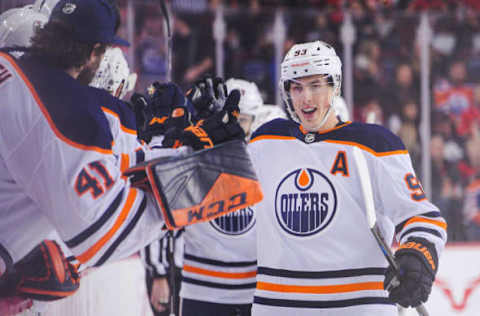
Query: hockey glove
{"x":208,"y":96}
{"x":418,"y":263}
{"x":203,"y":185}
{"x":43,"y":274}
{"x":152,"y":110}
{"x":220,"y":127}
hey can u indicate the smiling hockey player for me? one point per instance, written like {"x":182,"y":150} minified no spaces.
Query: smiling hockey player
{"x":316,"y":255}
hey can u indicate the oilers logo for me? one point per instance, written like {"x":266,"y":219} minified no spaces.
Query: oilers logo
{"x":235,"y":223}
{"x":305,"y":202}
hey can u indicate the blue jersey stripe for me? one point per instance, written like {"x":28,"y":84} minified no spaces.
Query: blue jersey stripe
{"x":321,"y":304}
{"x":423,"y":230}
{"x":218,"y":262}
{"x":320,"y":274}
{"x":92,"y":229}
{"x":124,"y":233}
{"x":216,"y":285}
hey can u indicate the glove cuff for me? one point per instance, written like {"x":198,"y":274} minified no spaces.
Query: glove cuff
{"x":423,"y":250}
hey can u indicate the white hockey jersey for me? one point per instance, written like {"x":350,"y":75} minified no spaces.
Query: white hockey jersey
{"x":316,"y":254}
{"x":220,"y":259}
{"x":61,"y":147}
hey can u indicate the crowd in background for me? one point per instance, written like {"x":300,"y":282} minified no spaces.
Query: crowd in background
{"x":386,"y":71}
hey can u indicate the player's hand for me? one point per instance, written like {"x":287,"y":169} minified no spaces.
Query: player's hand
{"x":160,"y":294}
{"x":219,"y":127}
{"x":152,"y":110}
{"x":208,"y":96}
{"x":418,"y":263}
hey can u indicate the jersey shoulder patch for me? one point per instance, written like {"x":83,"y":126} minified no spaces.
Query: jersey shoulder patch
{"x":375,"y":137}
{"x":275,"y":128}
{"x":72,"y":109}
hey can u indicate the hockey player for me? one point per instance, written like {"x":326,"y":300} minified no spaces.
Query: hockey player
{"x":219,"y":260}
{"x":316,"y":255}
{"x":57,"y":155}
{"x":19,"y":24}
{"x":24,"y":83}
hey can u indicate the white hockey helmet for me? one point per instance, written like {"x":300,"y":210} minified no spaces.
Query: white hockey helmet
{"x":17,"y":26}
{"x":307,"y":59}
{"x":340,"y":108}
{"x":113,"y":74}
{"x":250,"y":99}
{"x":45,"y":6}
{"x":251,"y":103}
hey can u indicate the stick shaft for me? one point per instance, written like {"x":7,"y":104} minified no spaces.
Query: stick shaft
{"x":169,"y":36}
{"x":366,"y":185}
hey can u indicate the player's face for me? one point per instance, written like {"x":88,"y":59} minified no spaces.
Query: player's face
{"x":311,"y":98}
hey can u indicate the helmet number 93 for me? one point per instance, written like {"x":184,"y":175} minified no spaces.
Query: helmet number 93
{"x":300,"y":52}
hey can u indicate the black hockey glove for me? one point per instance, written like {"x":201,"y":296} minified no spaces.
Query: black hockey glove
{"x":220,"y":127}
{"x":43,"y":274}
{"x":152,"y":110}
{"x":418,"y":263}
{"x":207,"y":96}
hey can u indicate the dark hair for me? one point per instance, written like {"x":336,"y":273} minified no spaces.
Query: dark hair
{"x":54,"y":43}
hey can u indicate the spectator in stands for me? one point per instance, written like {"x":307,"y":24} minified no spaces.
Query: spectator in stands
{"x":408,"y":131}
{"x":446,"y":188}
{"x":404,"y":89}
{"x":469,"y":167}
{"x":151,"y":49}
{"x":368,"y":71}
{"x":471,"y":210}
{"x":454,"y":96}
{"x":442,"y":124}
{"x":198,"y":57}
{"x":371,"y":112}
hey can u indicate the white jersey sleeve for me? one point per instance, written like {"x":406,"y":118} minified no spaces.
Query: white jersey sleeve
{"x":57,"y":146}
{"x":400,"y":197}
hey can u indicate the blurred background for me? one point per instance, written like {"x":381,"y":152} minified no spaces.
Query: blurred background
{"x":415,"y":64}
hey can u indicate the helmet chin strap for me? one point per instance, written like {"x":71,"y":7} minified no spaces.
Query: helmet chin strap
{"x":327,"y":114}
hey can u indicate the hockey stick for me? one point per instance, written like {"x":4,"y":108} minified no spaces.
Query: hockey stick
{"x":366,"y":185}
{"x":169,"y":34}
{"x":171,"y":272}
{"x":171,"y":254}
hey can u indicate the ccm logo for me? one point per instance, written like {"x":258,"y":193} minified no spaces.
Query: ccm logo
{"x":235,"y":202}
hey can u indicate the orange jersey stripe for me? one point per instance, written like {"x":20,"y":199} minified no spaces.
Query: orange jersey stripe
{"x":124,"y":162}
{"x":320,"y":289}
{"x":276,"y":137}
{"x":218,"y":274}
{"x":87,"y":255}
{"x":47,"y":115}
{"x":426,"y":220}
{"x":378,"y":154}
{"x":123,"y":128}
